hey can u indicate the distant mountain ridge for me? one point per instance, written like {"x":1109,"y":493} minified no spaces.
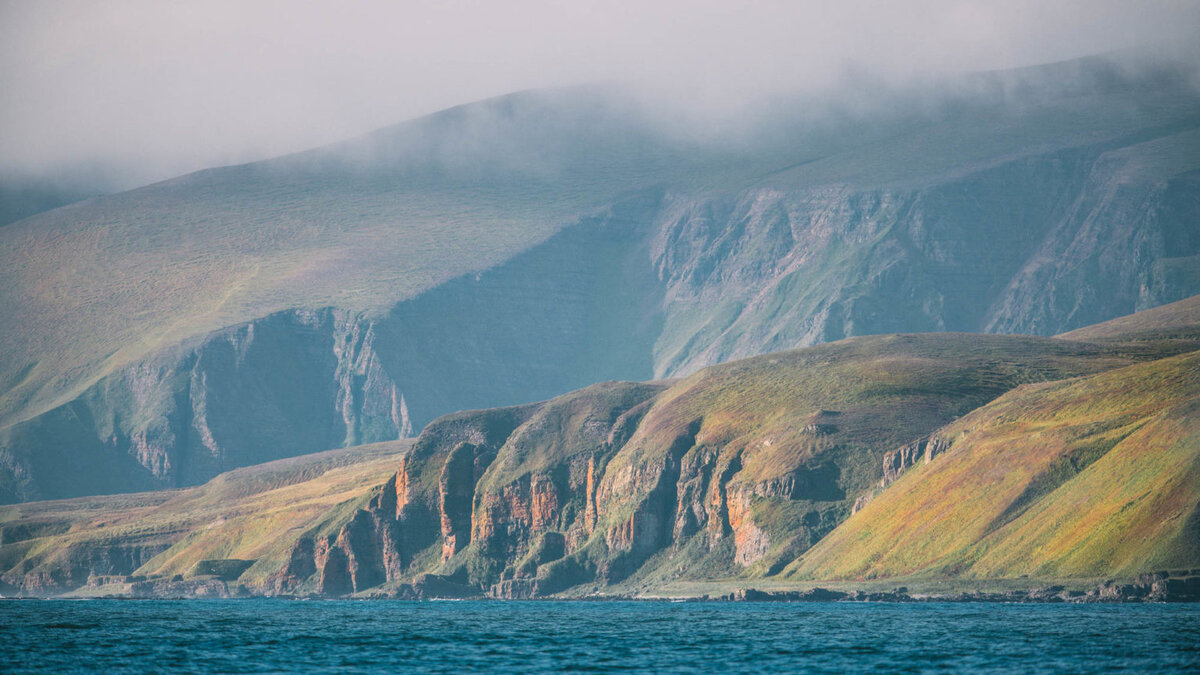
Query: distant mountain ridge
{"x":523,"y":247}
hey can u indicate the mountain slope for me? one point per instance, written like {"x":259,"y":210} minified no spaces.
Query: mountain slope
{"x":1048,"y":457}
{"x":1095,"y":476}
{"x":255,"y":513}
{"x":24,"y":197}
{"x":1176,"y":321}
{"x":519,"y":248}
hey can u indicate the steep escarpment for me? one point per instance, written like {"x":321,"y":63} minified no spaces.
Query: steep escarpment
{"x":583,"y":307}
{"x":482,"y":497}
{"x":289,"y":384}
{"x":580,"y":308}
{"x":740,"y":468}
{"x":1139,"y":202}
{"x":1037,"y":245}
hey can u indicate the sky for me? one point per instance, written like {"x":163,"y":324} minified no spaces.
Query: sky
{"x":148,"y":89}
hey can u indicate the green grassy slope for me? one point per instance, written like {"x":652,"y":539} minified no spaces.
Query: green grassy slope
{"x":100,"y":284}
{"x":1176,"y":321}
{"x":254,"y":513}
{"x":1092,"y":476}
{"x":359,"y":226}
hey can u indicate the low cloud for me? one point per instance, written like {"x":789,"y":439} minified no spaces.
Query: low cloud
{"x":151,"y":89}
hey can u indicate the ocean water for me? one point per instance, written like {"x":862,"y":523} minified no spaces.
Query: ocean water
{"x":661,"y":637}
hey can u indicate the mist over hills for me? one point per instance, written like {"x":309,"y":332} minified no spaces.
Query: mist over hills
{"x":23,"y":198}
{"x":518,"y":248}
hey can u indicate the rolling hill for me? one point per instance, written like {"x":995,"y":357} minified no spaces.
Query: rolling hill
{"x":256,"y":512}
{"x":916,"y":456}
{"x":522,"y":247}
{"x":1092,"y":477}
{"x":21,"y":197}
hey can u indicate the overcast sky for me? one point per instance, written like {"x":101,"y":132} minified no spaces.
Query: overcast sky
{"x":160,"y":88}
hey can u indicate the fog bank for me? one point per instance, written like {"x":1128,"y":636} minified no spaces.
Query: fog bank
{"x":145,"y":89}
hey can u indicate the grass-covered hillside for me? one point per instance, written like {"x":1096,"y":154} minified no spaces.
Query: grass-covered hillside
{"x":519,"y":248}
{"x":360,"y":226}
{"x":919,"y":456}
{"x":1094,"y":476}
{"x":1097,"y":476}
{"x":252,"y":514}
{"x":1176,"y":322}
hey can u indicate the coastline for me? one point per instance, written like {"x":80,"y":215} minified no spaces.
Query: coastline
{"x":1174,"y":586}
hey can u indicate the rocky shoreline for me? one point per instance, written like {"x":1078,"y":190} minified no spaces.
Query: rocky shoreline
{"x":1181,"y":586}
{"x":1157,"y":587}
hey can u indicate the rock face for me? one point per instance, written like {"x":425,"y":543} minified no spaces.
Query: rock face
{"x":896,"y":461}
{"x":289,"y":384}
{"x":992,"y":224}
{"x":624,"y":483}
{"x":1165,"y":586}
{"x":76,"y":566}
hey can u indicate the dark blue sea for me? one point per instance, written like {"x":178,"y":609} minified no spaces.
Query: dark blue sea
{"x":660,"y":637}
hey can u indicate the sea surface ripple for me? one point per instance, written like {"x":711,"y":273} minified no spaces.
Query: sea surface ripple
{"x":664,"y":637}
